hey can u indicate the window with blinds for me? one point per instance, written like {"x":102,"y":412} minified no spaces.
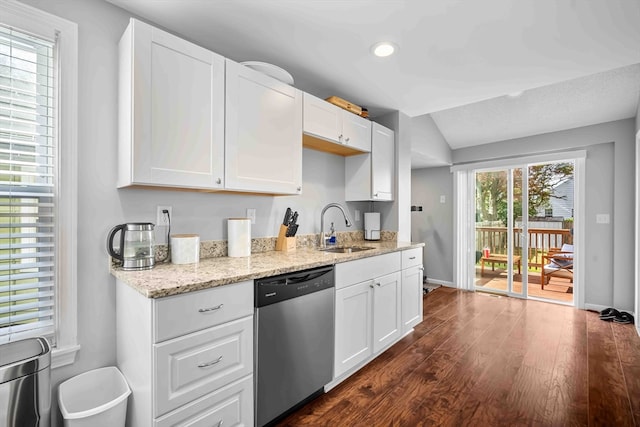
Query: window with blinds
{"x":28,"y":179}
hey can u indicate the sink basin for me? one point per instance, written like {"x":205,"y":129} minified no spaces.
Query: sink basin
{"x":345,"y":249}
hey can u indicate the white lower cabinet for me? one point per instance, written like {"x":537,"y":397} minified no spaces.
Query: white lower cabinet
{"x":377,"y":302}
{"x":367,"y":311}
{"x":353,"y":326}
{"x":224,"y":407}
{"x":386,"y":311}
{"x":411,"y":288}
{"x":197,"y":369}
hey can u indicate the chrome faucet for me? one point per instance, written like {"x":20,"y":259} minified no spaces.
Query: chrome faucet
{"x":347,"y":221}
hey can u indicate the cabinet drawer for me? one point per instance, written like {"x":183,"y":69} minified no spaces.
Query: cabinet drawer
{"x":411,"y":257}
{"x":351,"y":272}
{"x":190,"y":367}
{"x":231,"y":405}
{"x":194,"y":311}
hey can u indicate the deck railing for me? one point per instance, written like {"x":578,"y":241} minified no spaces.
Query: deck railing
{"x":539,"y":241}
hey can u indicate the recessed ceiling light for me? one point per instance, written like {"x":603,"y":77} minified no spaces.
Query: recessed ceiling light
{"x":383,"y":49}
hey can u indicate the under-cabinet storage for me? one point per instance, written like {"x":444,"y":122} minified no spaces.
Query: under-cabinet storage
{"x":371,"y":176}
{"x":412,"y":292}
{"x":330,"y":128}
{"x":191,"y":367}
{"x":263,"y":133}
{"x":171,"y":111}
{"x":367,"y":313}
{"x":378,"y":300}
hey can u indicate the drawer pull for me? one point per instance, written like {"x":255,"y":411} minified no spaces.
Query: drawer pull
{"x":220,"y":423}
{"x":206,"y":310}
{"x":412,"y":257}
{"x":213,"y":362}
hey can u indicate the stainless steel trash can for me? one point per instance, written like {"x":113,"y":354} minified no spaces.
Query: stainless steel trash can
{"x":25,"y":383}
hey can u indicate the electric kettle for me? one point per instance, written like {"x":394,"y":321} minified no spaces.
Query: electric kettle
{"x":137,"y":245}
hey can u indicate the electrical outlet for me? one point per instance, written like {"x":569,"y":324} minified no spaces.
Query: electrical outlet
{"x":251,"y":214}
{"x":161,"y":219}
{"x":443,"y":199}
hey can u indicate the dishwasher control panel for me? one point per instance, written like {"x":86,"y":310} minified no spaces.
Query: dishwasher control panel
{"x":291,"y":285}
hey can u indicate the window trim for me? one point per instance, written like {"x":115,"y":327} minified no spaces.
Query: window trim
{"x":43,"y":24}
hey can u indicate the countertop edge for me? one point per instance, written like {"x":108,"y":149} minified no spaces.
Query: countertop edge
{"x":169,"y":279}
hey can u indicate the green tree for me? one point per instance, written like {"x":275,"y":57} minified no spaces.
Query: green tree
{"x":491,"y":190}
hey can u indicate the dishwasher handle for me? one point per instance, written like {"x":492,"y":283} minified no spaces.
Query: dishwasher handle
{"x":304,"y":278}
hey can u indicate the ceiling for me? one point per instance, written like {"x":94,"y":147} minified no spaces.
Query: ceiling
{"x":456,"y":59}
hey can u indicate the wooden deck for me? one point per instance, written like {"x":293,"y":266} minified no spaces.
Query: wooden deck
{"x":478,"y":360}
{"x":558,"y":289}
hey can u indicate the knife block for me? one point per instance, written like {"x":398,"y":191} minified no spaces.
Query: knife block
{"x":284,"y":243}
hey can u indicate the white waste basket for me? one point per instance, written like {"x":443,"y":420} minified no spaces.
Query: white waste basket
{"x":94,"y":398}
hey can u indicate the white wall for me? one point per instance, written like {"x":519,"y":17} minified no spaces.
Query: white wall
{"x":101,"y":205}
{"x":434,"y":225}
{"x":610,"y":170}
{"x":428,"y":141}
{"x":396,"y":215}
{"x":637,"y":253}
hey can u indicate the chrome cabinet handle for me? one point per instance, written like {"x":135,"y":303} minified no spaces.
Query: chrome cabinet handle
{"x":220,"y":423}
{"x":347,"y":139}
{"x":340,"y":137}
{"x":206,"y":310}
{"x":412,"y":257}
{"x":299,"y":188}
{"x":213,"y":362}
{"x":219,"y":181}
{"x":371,"y":286}
{"x":378,"y":284}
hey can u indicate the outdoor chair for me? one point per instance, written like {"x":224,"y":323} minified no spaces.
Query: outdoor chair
{"x":558,"y":263}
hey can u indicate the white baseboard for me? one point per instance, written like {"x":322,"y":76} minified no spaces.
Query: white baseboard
{"x":594,"y":307}
{"x":441,"y":282}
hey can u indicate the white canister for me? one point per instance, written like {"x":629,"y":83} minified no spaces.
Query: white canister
{"x":185,"y":248}
{"x":239,"y":237}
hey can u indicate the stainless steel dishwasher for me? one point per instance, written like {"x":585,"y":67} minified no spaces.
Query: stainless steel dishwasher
{"x":293,"y":341}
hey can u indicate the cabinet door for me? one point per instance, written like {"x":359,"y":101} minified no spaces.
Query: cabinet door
{"x":322,"y":119}
{"x":356,"y":131}
{"x":353,"y":326}
{"x":382,"y":161}
{"x":386,"y":311}
{"x":263,"y":140}
{"x":176,"y":113}
{"x":411,"y":297}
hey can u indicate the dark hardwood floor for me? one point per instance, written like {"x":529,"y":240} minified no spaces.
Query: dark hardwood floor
{"x":481,"y":360}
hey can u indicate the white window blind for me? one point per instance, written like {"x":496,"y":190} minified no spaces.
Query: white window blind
{"x":28,"y":186}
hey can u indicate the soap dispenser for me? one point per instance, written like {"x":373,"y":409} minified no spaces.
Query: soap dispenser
{"x":332,"y":236}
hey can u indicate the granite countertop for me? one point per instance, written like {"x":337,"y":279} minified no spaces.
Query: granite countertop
{"x":170,"y":279}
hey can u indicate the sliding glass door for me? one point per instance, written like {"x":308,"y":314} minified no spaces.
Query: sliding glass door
{"x":523,"y":234}
{"x":499,"y":229}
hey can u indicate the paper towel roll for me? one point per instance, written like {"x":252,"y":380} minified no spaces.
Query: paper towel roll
{"x":185,"y":248}
{"x":239,"y":236}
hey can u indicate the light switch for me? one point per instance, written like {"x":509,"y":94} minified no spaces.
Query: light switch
{"x":602,"y":219}
{"x":443,"y":199}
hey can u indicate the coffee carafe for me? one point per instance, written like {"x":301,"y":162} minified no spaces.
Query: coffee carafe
{"x":137,"y":245}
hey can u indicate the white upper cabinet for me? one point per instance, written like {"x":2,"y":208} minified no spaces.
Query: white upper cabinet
{"x":371,"y":176}
{"x":171,"y":99}
{"x":328,"y":127}
{"x":382,"y":160}
{"x":263,"y":139}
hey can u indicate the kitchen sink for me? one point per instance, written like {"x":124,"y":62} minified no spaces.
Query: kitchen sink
{"x":345,"y":249}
